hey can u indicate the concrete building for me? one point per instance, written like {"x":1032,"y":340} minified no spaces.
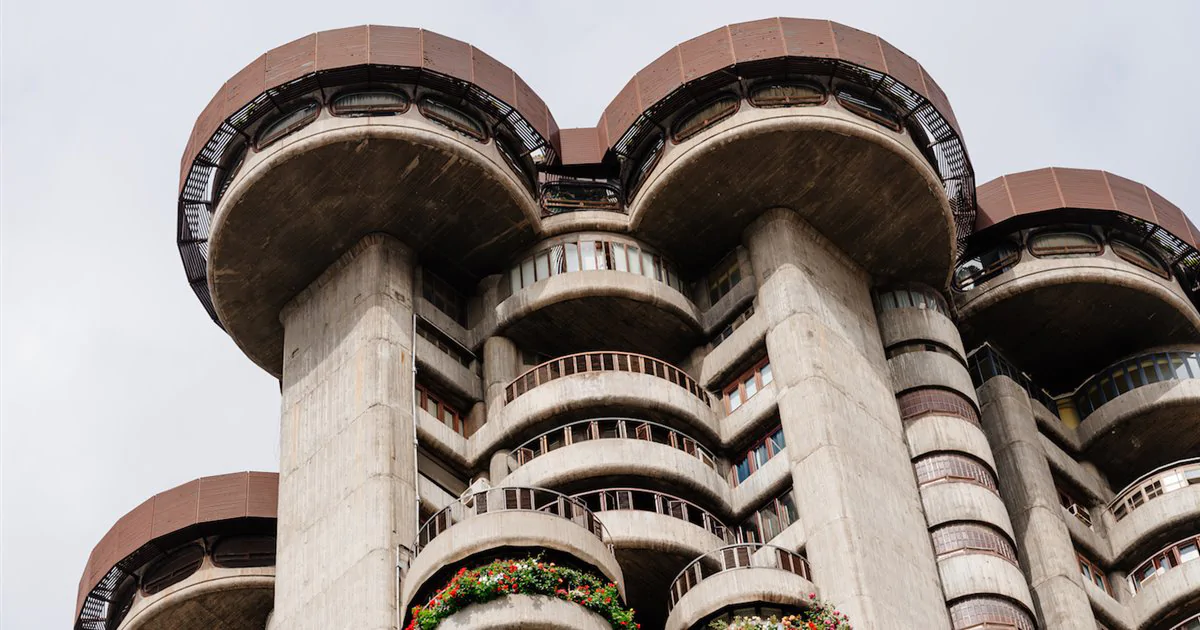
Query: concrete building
{"x":756,"y":335}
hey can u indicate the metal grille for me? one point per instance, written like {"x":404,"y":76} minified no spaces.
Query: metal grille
{"x":956,"y":538}
{"x":920,"y":402}
{"x":953,"y":467}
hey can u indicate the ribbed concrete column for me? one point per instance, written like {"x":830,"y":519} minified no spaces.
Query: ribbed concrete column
{"x":1043,"y":541}
{"x":347,"y":482}
{"x":500,"y":357}
{"x":853,"y":483}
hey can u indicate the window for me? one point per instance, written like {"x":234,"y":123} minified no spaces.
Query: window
{"x":787,"y":94}
{"x":733,"y":325}
{"x":747,"y":385}
{"x":770,"y":520}
{"x":912,"y":298}
{"x":443,"y":297}
{"x":1073,"y":506}
{"x":955,"y":538}
{"x":724,"y":277}
{"x":936,"y":467}
{"x":1064,"y":244}
{"x":757,"y":455}
{"x":1133,"y":373}
{"x":445,"y":413}
{"x":442,"y":342}
{"x":1133,"y":254}
{"x":869,"y":106}
{"x":986,"y":612}
{"x":985,"y":266}
{"x":704,"y":116}
{"x":1144,"y":490}
{"x":299,"y":116}
{"x":173,"y":568}
{"x":244,"y":551}
{"x":908,"y":347}
{"x":922,"y":402}
{"x":1093,"y":573}
{"x":1183,"y":551}
{"x":453,"y":118}
{"x":590,"y":253}
{"x":375,"y":103}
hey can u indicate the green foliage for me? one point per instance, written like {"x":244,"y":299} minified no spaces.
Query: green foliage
{"x":818,"y":616}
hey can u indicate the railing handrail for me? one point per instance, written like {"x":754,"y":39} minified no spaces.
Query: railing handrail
{"x":752,"y":555}
{"x":1157,"y":472}
{"x":712,"y":460}
{"x":705,"y":514}
{"x":527,"y":502}
{"x":688,"y":383}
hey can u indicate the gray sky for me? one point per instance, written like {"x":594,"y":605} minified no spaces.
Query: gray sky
{"x":116,"y":385}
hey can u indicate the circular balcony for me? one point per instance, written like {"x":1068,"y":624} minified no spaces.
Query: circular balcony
{"x":606,"y":382}
{"x":496,"y":521}
{"x":525,"y":612}
{"x":747,"y":573}
{"x":581,"y":453}
{"x":1166,"y":584}
{"x":598,"y":290}
{"x":189,"y":557}
{"x":715,"y":131}
{"x":340,"y":134}
{"x":1158,"y":503}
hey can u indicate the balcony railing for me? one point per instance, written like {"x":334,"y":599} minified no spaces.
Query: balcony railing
{"x":985,"y":363}
{"x":615,"y":499}
{"x":1133,"y":373}
{"x":601,"y":362}
{"x":1191,"y":623}
{"x":733,"y":557}
{"x":1154,"y":484}
{"x":611,"y":428}
{"x":573,"y":195}
{"x":511,"y":499}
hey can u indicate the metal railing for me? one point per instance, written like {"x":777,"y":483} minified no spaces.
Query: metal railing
{"x":511,"y":499}
{"x":617,"y":499}
{"x":1164,"y":480}
{"x":560,"y":195}
{"x":1127,"y":375}
{"x":602,"y":362}
{"x":985,"y":363}
{"x":611,"y":428}
{"x":733,"y":557}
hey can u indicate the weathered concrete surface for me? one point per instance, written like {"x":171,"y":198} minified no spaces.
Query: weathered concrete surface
{"x":983,"y":574}
{"x":1043,"y":542}
{"x":740,"y":586}
{"x":718,"y":365}
{"x":212,"y":598}
{"x":1166,"y":593}
{"x":1173,"y":515}
{"x":347,"y":486}
{"x":852,"y":479}
{"x":1143,"y":429}
{"x":931,"y":433}
{"x":963,"y":501}
{"x":898,"y":325}
{"x":525,"y":612}
{"x":916,"y":370}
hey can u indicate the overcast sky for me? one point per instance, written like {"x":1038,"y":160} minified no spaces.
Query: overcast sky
{"x":116,"y":385}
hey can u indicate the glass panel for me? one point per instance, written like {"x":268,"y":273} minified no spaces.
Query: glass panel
{"x":543,"y":265}
{"x":735,"y":399}
{"x":527,"y":275}
{"x":369,"y":104}
{"x":572,"y":253}
{"x":777,"y":442}
{"x":742,"y":470}
{"x":620,"y":260}
{"x":760,"y":455}
{"x":635,"y":260}
{"x":588,"y":250}
{"x":648,"y":264}
{"x":767,"y":375}
{"x":1188,"y":552}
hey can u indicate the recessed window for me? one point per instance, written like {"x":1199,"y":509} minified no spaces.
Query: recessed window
{"x":704,"y":116}
{"x":443,"y":342}
{"x":443,"y":297}
{"x":591,"y":254}
{"x":1179,"y":553}
{"x":238,"y":552}
{"x":912,"y":298}
{"x":955,"y":538}
{"x":1133,"y":254}
{"x":646,"y":161}
{"x":733,"y":325}
{"x":726,"y":275}
{"x":294,"y":119}
{"x":1074,"y":507}
{"x":937,"y":467}
{"x":376,"y":103}
{"x":986,"y":612}
{"x":986,"y":265}
{"x":923,"y":402}
{"x":453,"y":118}
{"x":770,"y":520}
{"x":745,"y":386}
{"x":1064,"y":244}
{"x":435,"y":405}
{"x":757,"y":456}
{"x":869,"y":106}
{"x":173,"y":568}
{"x":1093,"y":573}
{"x":787,"y":95}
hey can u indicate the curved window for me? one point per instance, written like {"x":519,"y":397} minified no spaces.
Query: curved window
{"x":303,"y":114}
{"x":1140,"y":257}
{"x":370,"y":104}
{"x":593,"y":254}
{"x":696,"y":120}
{"x":870,"y":107}
{"x":953,"y":467}
{"x":912,"y":298}
{"x":787,"y":95}
{"x":985,"y":612}
{"x":955,"y":538}
{"x":923,"y":402}
{"x":1133,"y":373}
{"x":244,"y":551}
{"x":175,"y":567}
{"x":986,"y":265}
{"x":648,"y":160}
{"x":1154,"y":485}
{"x":1064,"y":244}
{"x":1183,"y":551}
{"x":453,"y":118}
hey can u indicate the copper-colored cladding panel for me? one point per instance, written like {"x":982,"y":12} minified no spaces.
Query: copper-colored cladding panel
{"x":704,"y":55}
{"x":581,"y":146}
{"x":623,"y":110}
{"x":244,"y":87}
{"x":205,"y":500}
{"x":493,"y":76}
{"x":291,"y":61}
{"x":1033,"y":191}
{"x":1171,"y":218}
{"x":531,"y":106}
{"x":809,"y":38}
{"x":445,"y":55}
{"x":1083,"y":188}
{"x":859,"y":47}
{"x":994,"y":203}
{"x":341,"y":48}
{"x":663,"y":76}
{"x":761,"y":39}
{"x":937,"y":98}
{"x":602,"y":131}
{"x":903,"y":68}
{"x":1130,"y":197}
{"x":394,"y":46}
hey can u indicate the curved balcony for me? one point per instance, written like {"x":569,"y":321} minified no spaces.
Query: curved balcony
{"x":231,"y":597}
{"x":496,"y":519}
{"x":748,"y":573}
{"x":1191,"y":623}
{"x":563,"y":296}
{"x":610,"y":429}
{"x":1166,"y":584}
{"x":1161,"y":501}
{"x":514,"y":612}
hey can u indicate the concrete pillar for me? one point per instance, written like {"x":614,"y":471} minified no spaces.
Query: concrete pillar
{"x":852,"y":480}
{"x":347,"y":470}
{"x":1043,"y":541}
{"x":500,"y":360}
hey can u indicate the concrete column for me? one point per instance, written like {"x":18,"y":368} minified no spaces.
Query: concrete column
{"x":347,"y":470}
{"x":500,"y":360}
{"x":852,"y":480}
{"x":1044,"y":543}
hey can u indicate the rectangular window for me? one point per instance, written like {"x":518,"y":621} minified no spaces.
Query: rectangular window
{"x":732,"y":326}
{"x":436,"y":407}
{"x":1093,"y":573}
{"x":771,"y":519}
{"x":443,"y":297}
{"x":726,"y":275}
{"x":747,"y":385}
{"x":620,"y":258}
